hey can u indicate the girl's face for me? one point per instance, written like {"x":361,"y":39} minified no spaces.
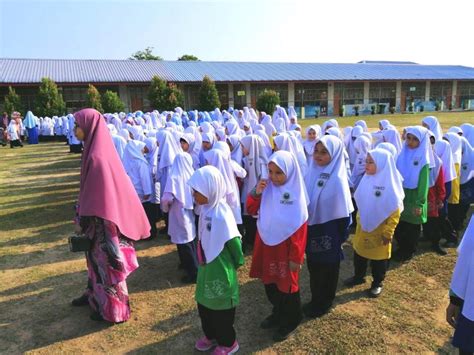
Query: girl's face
{"x":412,"y":141}
{"x":245,"y":151}
{"x":370,"y":167}
{"x":380,"y":127}
{"x":246,"y":129}
{"x":80,"y":135}
{"x":200,"y":198}
{"x":226,"y":131}
{"x":321,"y":155}
{"x":276,"y":175}
{"x":293,"y":120}
{"x":206,"y":146}
{"x":311,"y":135}
{"x":145,"y":150}
{"x":184,"y":145}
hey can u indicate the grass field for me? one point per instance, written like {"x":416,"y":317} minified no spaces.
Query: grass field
{"x":39,"y":277}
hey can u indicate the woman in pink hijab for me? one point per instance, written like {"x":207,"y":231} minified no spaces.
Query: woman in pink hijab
{"x":111,"y":216}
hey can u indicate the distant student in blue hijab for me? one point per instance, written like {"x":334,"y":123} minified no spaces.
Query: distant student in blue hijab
{"x":30,"y":124}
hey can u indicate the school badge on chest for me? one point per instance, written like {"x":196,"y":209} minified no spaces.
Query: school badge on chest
{"x":286,"y":196}
{"x":285,"y":200}
{"x":415,"y":163}
{"x":320,"y":183}
{"x":378,"y":193}
{"x":209,"y":226}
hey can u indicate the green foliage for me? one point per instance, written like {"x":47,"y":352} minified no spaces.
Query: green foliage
{"x":49,"y":102}
{"x":188,"y":57}
{"x":208,"y":95}
{"x":163,"y":96}
{"x":111,"y":102}
{"x":93,"y":99}
{"x":12,"y":102}
{"x":146,"y":54}
{"x":267,"y":100}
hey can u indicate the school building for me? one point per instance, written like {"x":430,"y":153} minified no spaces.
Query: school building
{"x":314,"y":89}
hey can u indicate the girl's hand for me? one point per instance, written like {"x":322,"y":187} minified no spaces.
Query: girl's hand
{"x":452,"y":313}
{"x":295,"y":267}
{"x":417,"y":212}
{"x":262,"y":184}
{"x":77,"y":229}
{"x":386,"y":241}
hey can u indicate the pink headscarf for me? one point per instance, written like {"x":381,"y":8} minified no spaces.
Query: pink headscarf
{"x":106,"y":191}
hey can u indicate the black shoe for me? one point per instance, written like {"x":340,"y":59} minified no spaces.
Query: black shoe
{"x":283,"y":333}
{"x":80,"y":301}
{"x":353,"y":281}
{"x":439,"y":250}
{"x":96,"y":316}
{"x":375,"y":291}
{"x":269,"y":322}
{"x":401,"y":257}
{"x":188,"y":279}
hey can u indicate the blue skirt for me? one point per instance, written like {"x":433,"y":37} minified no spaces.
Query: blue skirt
{"x":32,"y":135}
{"x":467,"y":192}
{"x":463,"y":338}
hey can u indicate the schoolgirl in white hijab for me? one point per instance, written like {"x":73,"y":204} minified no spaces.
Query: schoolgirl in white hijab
{"x":279,"y":124}
{"x":362,"y":124}
{"x":456,"y":146}
{"x":189,"y":139}
{"x":455,"y":129}
{"x":138,"y":170}
{"x":168,"y":148}
{"x":443,"y":151}
{"x":278,"y":219}
{"x":328,"y":124}
{"x":217,"y":158}
{"x":467,"y":161}
{"x":232,"y":127}
{"x":247,"y":128}
{"x":177,"y":200}
{"x":284,"y":142}
{"x":432,"y":123}
{"x":125,"y":134}
{"x":220,"y":134}
{"x":328,"y":186}
{"x":197,"y":136}
{"x":270,"y":129}
{"x":119,"y":143}
{"x":411,"y":161}
{"x":239,"y":171}
{"x":216,"y":222}
{"x":266,"y":141}
{"x":236,"y":149}
{"x":313,"y":133}
{"x":389,"y":147}
{"x":362,"y":146}
{"x":356,"y":132}
{"x":206,"y":127}
{"x":468,"y":132}
{"x":392,"y":136}
{"x":255,"y":163}
{"x":381,"y":194}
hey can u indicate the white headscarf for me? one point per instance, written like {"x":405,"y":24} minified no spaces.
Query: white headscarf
{"x":392,"y":136}
{"x":462,"y":281}
{"x":168,"y":148}
{"x":467,"y":161}
{"x":255,"y":159}
{"x":356,"y":132}
{"x":216,"y":222}
{"x":269,"y":127}
{"x":434,"y":126}
{"x":381,"y":194}
{"x":284,"y":142}
{"x":468,"y":133}
{"x":283,"y":209}
{"x":362,"y":145}
{"x":236,"y":153}
{"x":362,"y":124}
{"x":389,"y":147}
{"x":309,"y":145}
{"x":125,"y":134}
{"x":411,"y":161}
{"x":152,"y":155}
{"x":266,"y":141}
{"x":328,"y":124}
{"x":179,"y":175}
{"x":218,"y":159}
{"x":133,"y":155}
{"x":443,"y":151}
{"x":119,"y":143}
{"x":328,"y":186}
{"x":456,"y":146}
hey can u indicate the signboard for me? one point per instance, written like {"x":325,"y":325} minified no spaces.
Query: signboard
{"x":240,"y":93}
{"x":412,"y":88}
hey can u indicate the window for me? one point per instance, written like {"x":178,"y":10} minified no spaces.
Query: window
{"x":383,"y":93}
{"x":349,"y":93}
{"x":313,"y":97}
{"x":281,"y":89}
{"x":240,"y":99}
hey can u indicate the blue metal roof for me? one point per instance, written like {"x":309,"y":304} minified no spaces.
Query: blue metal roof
{"x":27,"y":71}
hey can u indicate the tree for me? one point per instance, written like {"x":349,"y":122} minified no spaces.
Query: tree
{"x":145,"y":54}
{"x":267,"y":100}
{"x":111,"y":102}
{"x":12,"y":102}
{"x":164,"y":96}
{"x":208,"y":95}
{"x":93,"y":99}
{"x":49,"y":102}
{"x":189,"y":58}
{"x":174,"y":97}
{"x":157,"y":92}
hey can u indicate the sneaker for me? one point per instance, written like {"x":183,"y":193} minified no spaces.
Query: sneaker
{"x":269,"y":322}
{"x":80,"y":301}
{"x":224,"y":350}
{"x":353,"y":281}
{"x":204,"y":344}
{"x":375,"y":292}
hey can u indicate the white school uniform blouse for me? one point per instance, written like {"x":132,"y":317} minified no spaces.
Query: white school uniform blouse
{"x":141,"y":179}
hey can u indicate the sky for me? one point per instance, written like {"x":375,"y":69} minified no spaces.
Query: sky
{"x":329,"y":31}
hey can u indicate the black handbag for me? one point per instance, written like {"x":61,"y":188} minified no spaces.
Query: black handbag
{"x":79,"y":243}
